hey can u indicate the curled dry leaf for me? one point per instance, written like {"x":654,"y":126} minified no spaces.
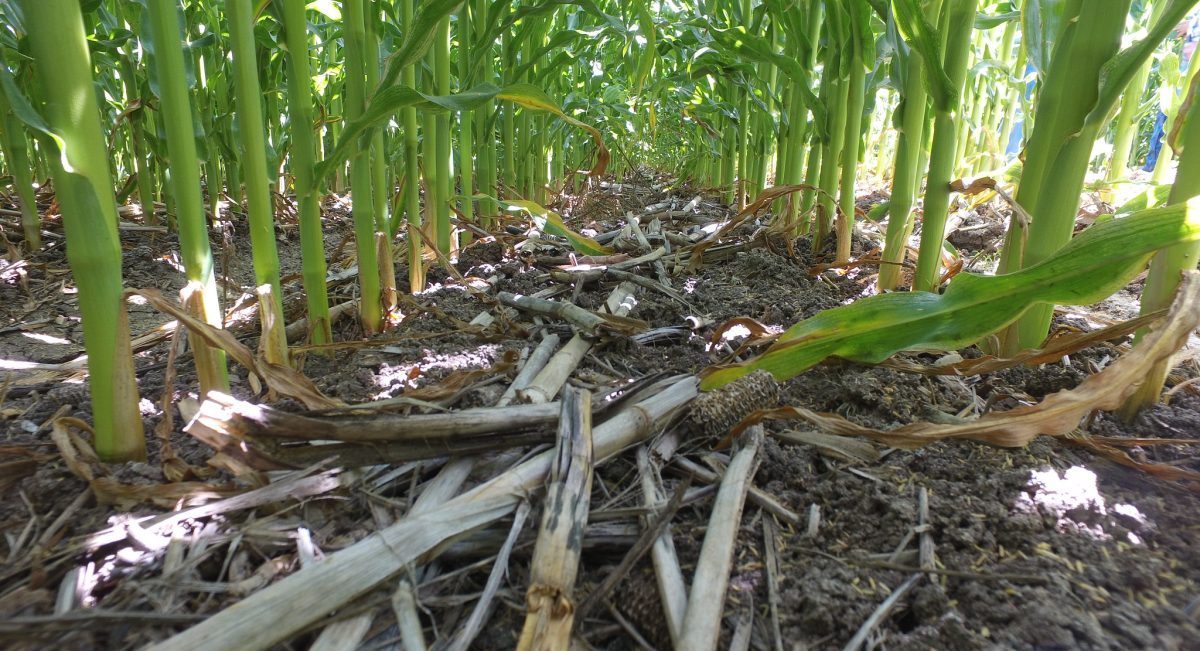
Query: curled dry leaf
{"x":82,"y":461}
{"x":1057,"y":415}
{"x":760,"y":202}
{"x":1163,"y":471}
{"x":283,"y":379}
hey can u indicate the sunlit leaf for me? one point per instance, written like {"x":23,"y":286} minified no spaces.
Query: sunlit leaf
{"x":1091,"y":267}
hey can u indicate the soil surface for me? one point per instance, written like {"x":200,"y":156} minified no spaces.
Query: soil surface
{"x":1045,"y":547}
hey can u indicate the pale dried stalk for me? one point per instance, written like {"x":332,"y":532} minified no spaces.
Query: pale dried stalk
{"x":454,"y":474}
{"x":706,"y":603}
{"x":880,"y":613}
{"x":672,"y":588}
{"x":636,"y":227}
{"x":554,"y":375}
{"x":296,"y":601}
{"x":483,"y":608}
{"x":550,"y":598}
{"x":345,"y":635}
{"x":584,"y":320}
{"x":536,"y":362}
{"x":550,"y":380}
{"x":761,"y":498}
{"x":404,"y":605}
{"x":226,"y":413}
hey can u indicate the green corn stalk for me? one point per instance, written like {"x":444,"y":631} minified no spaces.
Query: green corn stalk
{"x":486,"y":157}
{"x":835,"y":100}
{"x":1084,"y":84}
{"x":1130,"y":112}
{"x":1168,"y":264}
{"x":370,"y":301}
{"x":15,"y":148}
{"x":62,"y":63}
{"x":380,"y":186}
{"x":858,"y":22}
{"x":960,"y":17}
{"x":906,"y":177}
{"x":300,"y":101}
{"x":441,"y":161}
{"x":466,"y":145}
{"x":1173,"y":103}
{"x":412,"y":184}
{"x":137,"y":136}
{"x":185,"y":189}
{"x":253,"y":154}
{"x":429,"y":149}
{"x":1000,"y":106}
{"x":508,"y":127}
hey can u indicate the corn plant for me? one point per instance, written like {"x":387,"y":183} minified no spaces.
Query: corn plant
{"x":190,"y":220}
{"x":68,"y":116}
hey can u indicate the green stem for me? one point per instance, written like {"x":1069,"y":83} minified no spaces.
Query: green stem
{"x":370,"y":302}
{"x":907,"y":175}
{"x":412,"y":173}
{"x":303,"y":159}
{"x":254,"y":165}
{"x":445,"y":180}
{"x":1168,"y":264}
{"x":185,"y":189}
{"x":942,"y":151}
{"x":16,"y":153}
{"x":59,"y":46}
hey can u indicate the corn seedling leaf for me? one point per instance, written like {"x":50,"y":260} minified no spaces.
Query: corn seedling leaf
{"x":1057,"y":415}
{"x":1092,"y":266}
{"x":552,"y":223}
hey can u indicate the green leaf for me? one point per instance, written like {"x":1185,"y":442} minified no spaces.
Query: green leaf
{"x":1091,"y":267}
{"x":23,"y":109}
{"x":748,"y":47}
{"x":1042,"y":22}
{"x":552,"y":223}
{"x":388,"y":101}
{"x":984,"y":21}
{"x":923,"y":39}
{"x":1117,"y":73}
{"x":418,"y":39}
{"x":650,"y":51}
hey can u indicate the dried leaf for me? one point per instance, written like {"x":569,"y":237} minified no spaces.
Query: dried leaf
{"x":283,"y":379}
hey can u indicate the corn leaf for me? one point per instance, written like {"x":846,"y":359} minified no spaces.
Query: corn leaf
{"x":552,"y":223}
{"x":650,"y":50}
{"x":25,"y":112}
{"x":388,"y":101}
{"x":1042,"y":22}
{"x":1092,"y":266}
{"x":418,"y":39}
{"x":923,"y":39}
{"x":1119,"y":70}
{"x":740,"y":44}
{"x":1059,"y":414}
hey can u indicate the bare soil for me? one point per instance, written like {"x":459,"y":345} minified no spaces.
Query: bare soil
{"x":1045,"y":547}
